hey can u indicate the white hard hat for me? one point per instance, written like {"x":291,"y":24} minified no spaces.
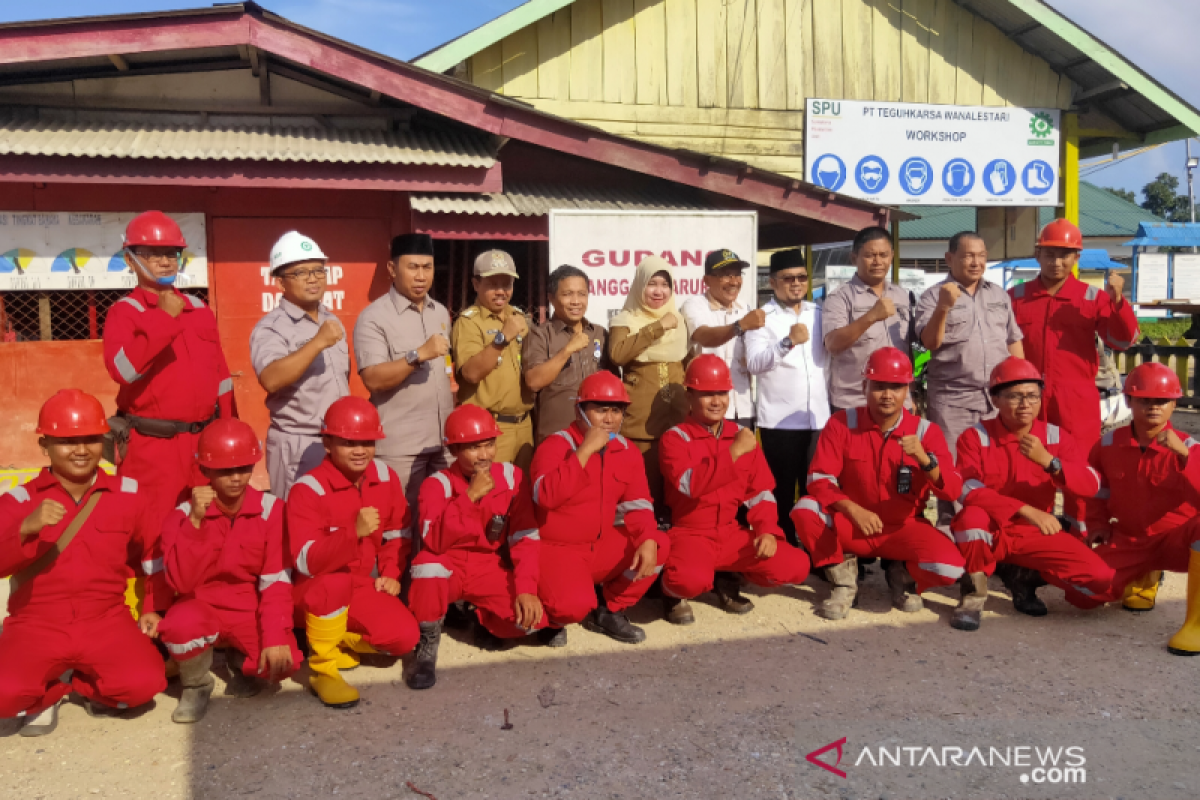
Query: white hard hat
{"x":294,"y":246}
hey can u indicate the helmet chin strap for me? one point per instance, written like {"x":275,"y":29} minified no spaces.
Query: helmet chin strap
{"x":588,"y":423}
{"x":165,"y":280}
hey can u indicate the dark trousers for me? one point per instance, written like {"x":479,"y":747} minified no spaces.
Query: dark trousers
{"x":788,"y":454}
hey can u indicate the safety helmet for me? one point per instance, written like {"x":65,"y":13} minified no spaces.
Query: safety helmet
{"x":469,"y":424}
{"x":888,"y":365}
{"x":1013,"y":370}
{"x":1061,"y":233}
{"x":71,"y":412}
{"x":153,"y":229}
{"x":1153,"y":379}
{"x":292,"y":247}
{"x":353,"y":418}
{"x":602,"y":387}
{"x":708,"y":373}
{"x":228,"y":443}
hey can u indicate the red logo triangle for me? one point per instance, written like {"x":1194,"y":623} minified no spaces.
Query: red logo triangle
{"x":815,"y":757}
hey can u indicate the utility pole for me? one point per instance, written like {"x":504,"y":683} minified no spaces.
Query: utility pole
{"x":1192,"y":163}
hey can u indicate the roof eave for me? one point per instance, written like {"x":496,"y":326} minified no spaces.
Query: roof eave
{"x":445,"y":56}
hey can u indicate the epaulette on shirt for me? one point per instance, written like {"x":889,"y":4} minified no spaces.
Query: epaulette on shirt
{"x":469,"y":312}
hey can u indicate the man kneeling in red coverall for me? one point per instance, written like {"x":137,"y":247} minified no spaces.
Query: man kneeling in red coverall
{"x":868,"y":484}
{"x":345,"y":519}
{"x":223,"y":554}
{"x":1012,"y":466}
{"x":599,"y":540}
{"x":70,"y":539}
{"x":710,"y":467}
{"x":1145,"y":515}
{"x":467,"y":512}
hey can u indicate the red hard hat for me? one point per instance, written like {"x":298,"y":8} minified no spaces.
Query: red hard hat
{"x":888,"y":365}
{"x":469,"y":424}
{"x":708,"y":373}
{"x":602,"y":387}
{"x":1153,"y":379}
{"x":71,"y":412}
{"x":153,"y":229}
{"x":228,"y":443}
{"x":1061,"y":233}
{"x":353,"y":418}
{"x":1014,"y":370}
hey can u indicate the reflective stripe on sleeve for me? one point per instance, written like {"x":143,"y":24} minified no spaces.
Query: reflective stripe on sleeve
{"x":761,"y":497}
{"x":125,"y":367}
{"x":968,"y":487}
{"x":267,"y":581}
{"x":302,"y":560}
{"x":152,"y":567}
{"x":811,"y":505}
{"x":685,"y":484}
{"x":973,"y":535}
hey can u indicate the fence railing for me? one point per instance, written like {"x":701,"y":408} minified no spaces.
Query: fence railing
{"x":1181,"y":355}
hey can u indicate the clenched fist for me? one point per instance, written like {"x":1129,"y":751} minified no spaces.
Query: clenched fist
{"x":911,"y":445}
{"x":579,"y":341}
{"x":799,"y":333}
{"x":515,"y":326}
{"x":1032,"y":448}
{"x":331,"y":333}
{"x":435,"y":346}
{"x":202,"y":498}
{"x":368,"y":521}
{"x":669,"y":321}
{"x":171,"y":302}
{"x":948,"y":295}
{"x":482,"y":482}
{"x":1115,"y":286}
{"x":754,"y":320}
{"x":1169,"y":439}
{"x":47,"y":514}
{"x":743,"y":443}
{"x":595,"y":440}
{"x":883,"y":308}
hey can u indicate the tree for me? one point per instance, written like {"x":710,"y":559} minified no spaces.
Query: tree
{"x":1124,"y":194}
{"x":1163,"y":199}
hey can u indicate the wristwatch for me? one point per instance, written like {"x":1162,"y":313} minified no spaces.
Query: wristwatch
{"x":413,"y":358}
{"x":1054,"y":467}
{"x":786,"y":344}
{"x":932,"y":465}
{"x":737,"y":328}
{"x":501,"y":340}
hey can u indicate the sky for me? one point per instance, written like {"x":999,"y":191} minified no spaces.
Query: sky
{"x":1157,"y":35}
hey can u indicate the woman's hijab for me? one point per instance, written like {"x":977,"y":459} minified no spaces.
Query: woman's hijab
{"x":636,"y":314}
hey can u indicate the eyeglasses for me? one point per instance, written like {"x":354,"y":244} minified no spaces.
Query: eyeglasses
{"x":792,"y":278}
{"x":1021,"y":399}
{"x":173,"y":255}
{"x":306,"y":274}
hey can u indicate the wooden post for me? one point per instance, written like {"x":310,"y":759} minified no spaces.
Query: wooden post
{"x":47,"y":332}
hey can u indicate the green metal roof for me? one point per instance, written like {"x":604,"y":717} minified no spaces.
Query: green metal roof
{"x":1101,"y":213}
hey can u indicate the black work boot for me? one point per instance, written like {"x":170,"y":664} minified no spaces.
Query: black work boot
{"x":677,"y":611}
{"x":240,"y":684}
{"x":424,"y":673}
{"x":969,"y":614}
{"x":486,"y":640}
{"x":728,"y":588}
{"x":1023,"y":583}
{"x":611,"y":624}
{"x":553,"y":637}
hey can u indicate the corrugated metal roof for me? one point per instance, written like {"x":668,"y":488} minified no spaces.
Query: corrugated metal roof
{"x":1101,"y":213}
{"x":536,"y":200}
{"x":116,"y":139}
{"x":1163,"y":234}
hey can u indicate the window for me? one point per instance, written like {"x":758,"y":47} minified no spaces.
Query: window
{"x":60,"y":316}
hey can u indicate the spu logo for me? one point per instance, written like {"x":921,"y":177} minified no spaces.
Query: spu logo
{"x":827,"y":108}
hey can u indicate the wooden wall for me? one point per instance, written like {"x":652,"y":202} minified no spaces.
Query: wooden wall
{"x":730,"y":77}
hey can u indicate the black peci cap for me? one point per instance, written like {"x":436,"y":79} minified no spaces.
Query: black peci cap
{"x":412,"y":244}
{"x":787,"y":259}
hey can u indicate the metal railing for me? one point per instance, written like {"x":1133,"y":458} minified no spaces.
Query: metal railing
{"x":1181,"y":355}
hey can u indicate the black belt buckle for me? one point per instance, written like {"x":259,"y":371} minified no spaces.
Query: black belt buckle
{"x":509,"y":419}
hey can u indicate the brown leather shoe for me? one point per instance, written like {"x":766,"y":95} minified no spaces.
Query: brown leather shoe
{"x":678,"y":611}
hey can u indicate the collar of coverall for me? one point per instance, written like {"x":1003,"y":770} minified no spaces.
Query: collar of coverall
{"x":251,"y":506}
{"x":695,"y":426}
{"x":577,"y":431}
{"x":1124,"y":437}
{"x":456,"y":471}
{"x":329,"y":474}
{"x":1072,"y":288}
{"x":907,"y":420}
{"x":149,"y":299}
{"x":1002,"y":435}
{"x":46,"y":480}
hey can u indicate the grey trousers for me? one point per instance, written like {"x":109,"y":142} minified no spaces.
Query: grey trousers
{"x":289,"y":457}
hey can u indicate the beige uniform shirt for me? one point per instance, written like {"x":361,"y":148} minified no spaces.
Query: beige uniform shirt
{"x":503,"y":391}
{"x":979,"y":330}
{"x":414,"y":413}
{"x":852,"y":300}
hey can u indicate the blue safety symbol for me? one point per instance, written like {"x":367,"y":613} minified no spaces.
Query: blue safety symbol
{"x":871,"y":175}
{"x":916,"y":176}
{"x":829,"y":172}
{"x":999,"y":177}
{"x":958,"y":176}
{"x":1037,"y":177}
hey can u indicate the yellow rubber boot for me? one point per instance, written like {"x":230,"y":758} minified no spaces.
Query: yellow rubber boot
{"x":1186,"y":641}
{"x":1141,"y":594}
{"x":352,"y":645}
{"x":324,"y":636}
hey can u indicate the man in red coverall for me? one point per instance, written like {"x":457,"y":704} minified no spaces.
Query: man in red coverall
{"x":600,"y":544}
{"x":163,"y":350}
{"x":223,"y":554}
{"x":710,"y":467}
{"x":1012,"y":466}
{"x":1060,"y":317}
{"x":467,"y":513}
{"x":1145,"y":515}
{"x":873,"y":471}
{"x":68,"y":625}
{"x":345,"y":519}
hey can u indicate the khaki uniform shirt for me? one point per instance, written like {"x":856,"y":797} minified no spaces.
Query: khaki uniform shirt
{"x":555,"y":404}
{"x":503,"y":391}
{"x":413,"y":413}
{"x":300,"y":408}
{"x":979,"y":330}
{"x":852,"y":300}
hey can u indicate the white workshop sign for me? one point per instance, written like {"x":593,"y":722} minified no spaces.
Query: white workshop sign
{"x":608,"y":245}
{"x":52,"y":250}
{"x":918,"y":154}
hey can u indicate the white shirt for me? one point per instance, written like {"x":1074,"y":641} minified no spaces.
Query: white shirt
{"x":702,"y":312}
{"x":791,"y":384}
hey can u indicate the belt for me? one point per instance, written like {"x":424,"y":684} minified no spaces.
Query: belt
{"x":163,"y":428}
{"x":509,"y":419}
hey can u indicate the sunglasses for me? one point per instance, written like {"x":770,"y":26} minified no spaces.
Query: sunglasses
{"x":792,"y":278}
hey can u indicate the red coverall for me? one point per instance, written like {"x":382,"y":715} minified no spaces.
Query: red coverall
{"x":167,"y":368}
{"x":457,"y":562}
{"x":998,"y":481}
{"x":1149,"y":502}
{"x":704,"y":487}
{"x":334,"y":568}
{"x":591,"y":520}
{"x":234,"y":588}
{"x":1060,"y":340}
{"x":68,"y":627}
{"x":854,"y":460}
